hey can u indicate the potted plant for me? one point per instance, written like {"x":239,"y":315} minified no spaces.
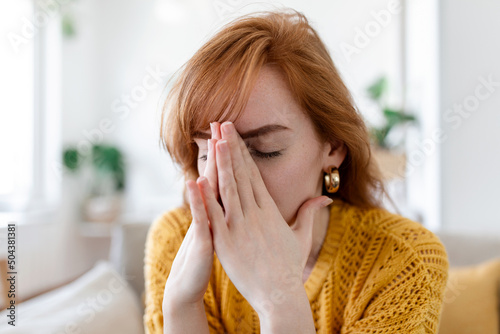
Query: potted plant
{"x":391,"y":160}
{"x":105,"y":179}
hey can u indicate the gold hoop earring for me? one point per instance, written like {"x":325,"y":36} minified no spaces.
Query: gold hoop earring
{"x":332,"y":179}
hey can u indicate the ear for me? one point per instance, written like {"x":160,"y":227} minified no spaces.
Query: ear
{"x":334,"y":154}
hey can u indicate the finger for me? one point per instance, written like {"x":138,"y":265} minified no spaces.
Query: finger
{"x":214,"y":210}
{"x":215,"y":128}
{"x":227,"y":184}
{"x":304,"y":223}
{"x":240,"y":172}
{"x":259,"y":190}
{"x":199,"y":227}
{"x":211,"y":168}
{"x":212,"y":177}
{"x":198,"y":210}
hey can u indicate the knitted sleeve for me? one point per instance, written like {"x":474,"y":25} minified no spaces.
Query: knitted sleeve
{"x":164,"y":239}
{"x":404,"y":284}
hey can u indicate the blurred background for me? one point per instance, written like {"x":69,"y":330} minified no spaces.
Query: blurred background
{"x":82,"y":86}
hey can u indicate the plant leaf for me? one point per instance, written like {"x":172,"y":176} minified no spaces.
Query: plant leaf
{"x":378,"y":88}
{"x":71,"y":159}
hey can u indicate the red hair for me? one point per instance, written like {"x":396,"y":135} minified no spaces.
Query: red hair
{"x":216,"y":82}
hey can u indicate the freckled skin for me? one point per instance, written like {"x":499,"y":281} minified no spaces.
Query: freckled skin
{"x":297,"y":174}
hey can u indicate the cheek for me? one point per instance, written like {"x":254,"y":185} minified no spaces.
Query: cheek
{"x":291,"y":182}
{"x":279,"y":179}
{"x":201,"y":167}
{"x":285,"y":185}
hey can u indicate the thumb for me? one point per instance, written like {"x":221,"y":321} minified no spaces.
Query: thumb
{"x":305,"y":215}
{"x":304,"y":223}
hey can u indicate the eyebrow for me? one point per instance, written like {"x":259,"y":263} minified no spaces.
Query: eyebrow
{"x":263,"y":130}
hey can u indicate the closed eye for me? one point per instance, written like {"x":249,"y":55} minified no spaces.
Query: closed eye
{"x":266,"y":155}
{"x":258,"y":154}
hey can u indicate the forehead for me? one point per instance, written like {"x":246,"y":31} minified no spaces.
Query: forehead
{"x":271,"y":102}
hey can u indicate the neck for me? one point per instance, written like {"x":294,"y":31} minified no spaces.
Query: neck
{"x":321,"y":220}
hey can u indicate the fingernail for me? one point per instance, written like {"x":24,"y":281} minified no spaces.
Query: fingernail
{"x":212,"y":127}
{"x":223,"y":145}
{"x":326,"y":202}
{"x":228,"y":127}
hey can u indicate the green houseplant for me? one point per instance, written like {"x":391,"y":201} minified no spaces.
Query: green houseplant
{"x":105,"y":170}
{"x":393,"y":117}
{"x":391,"y":161}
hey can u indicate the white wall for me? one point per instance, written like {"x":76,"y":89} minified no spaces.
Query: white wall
{"x":470,"y":160}
{"x":422,"y":99}
{"x":108,"y":59}
{"x":116,"y":41}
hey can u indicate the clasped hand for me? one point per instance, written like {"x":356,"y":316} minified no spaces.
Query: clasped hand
{"x":260,"y":253}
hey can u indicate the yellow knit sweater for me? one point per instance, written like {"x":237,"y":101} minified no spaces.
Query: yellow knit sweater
{"x":377,"y":272}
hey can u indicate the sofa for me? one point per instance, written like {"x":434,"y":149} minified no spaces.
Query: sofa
{"x":109,"y":298}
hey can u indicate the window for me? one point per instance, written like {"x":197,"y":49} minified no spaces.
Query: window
{"x":17,"y":115}
{"x":29,"y":106}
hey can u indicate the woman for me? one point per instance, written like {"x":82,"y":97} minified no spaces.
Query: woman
{"x":283,"y":190}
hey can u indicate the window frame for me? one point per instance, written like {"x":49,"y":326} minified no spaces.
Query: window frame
{"x":41,"y":203}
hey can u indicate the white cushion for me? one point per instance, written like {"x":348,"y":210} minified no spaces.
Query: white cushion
{"x":99,"y":301}
{"x":127,"y":253}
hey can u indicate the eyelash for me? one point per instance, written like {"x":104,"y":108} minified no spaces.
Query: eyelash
{"x":259,"y":154}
